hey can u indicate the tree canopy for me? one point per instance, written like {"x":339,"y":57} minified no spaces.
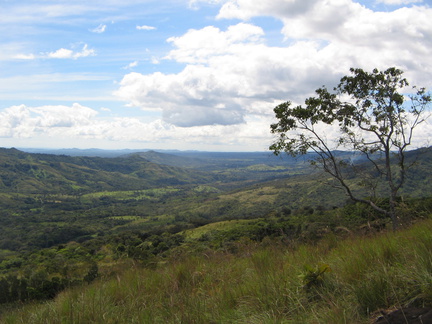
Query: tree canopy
{"x":372,"y":114}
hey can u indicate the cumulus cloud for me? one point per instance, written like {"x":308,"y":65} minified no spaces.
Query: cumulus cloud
{"x":194,"y":4}
{"x":246,"y":9}
{"x":398,"y":2}
{"x":229,"y":73}
{"x":233,"y":74}
{"x":189,"y":116}
{"x":22,"y":121}
{"x":197,"y":46}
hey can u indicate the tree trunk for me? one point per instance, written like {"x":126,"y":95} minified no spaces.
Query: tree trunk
{"x":393,"y":212}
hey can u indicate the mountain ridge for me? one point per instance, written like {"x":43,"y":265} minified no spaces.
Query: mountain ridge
{"x":30,"y":172}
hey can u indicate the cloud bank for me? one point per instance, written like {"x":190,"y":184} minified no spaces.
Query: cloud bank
{"x":83,"y":123}
{"x":233,"y":73}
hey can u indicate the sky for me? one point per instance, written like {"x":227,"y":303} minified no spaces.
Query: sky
{"x":190,"y":74}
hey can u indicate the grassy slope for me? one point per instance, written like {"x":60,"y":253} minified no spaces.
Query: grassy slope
{"x":263,"y":283}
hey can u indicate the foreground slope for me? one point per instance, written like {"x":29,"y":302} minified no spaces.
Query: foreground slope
{"x":335,"y":281}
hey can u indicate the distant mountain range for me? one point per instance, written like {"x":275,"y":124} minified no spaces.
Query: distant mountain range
{"x":29,"y":172}
{"x":185,"y":159}
{"x":84,"y":171}
{"x":76,"y":171}
{"x":81,"y":152}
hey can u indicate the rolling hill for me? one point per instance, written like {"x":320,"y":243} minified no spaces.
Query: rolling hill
{"x":48,"y":173}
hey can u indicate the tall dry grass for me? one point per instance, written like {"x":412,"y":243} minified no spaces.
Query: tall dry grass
{"x":266,"y":283}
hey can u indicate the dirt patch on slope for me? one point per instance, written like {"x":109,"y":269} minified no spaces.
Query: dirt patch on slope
{"x":406,"y":316}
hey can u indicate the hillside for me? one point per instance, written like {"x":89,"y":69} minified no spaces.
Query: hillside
{"x":68,"y":220}
{"x":352,"y":280}
{"x":52,"y":199}
{"x":213,"y":161}
{"x":45,"y":173}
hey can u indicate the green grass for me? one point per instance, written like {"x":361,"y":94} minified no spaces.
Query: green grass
{"x":260,"y":283}
{"x":128,"y":218}
{"x":264,"y":167}
{"x":253,"y":196}
{"x":137,"y":221}
{"x":130,"y":194}
{"x":206,"y":189}
{"x":198,"y":232}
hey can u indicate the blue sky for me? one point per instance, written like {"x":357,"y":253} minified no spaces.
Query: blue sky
{"x":201,"y":74}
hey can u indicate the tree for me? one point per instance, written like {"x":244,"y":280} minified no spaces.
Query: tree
{"x":373,"y":116}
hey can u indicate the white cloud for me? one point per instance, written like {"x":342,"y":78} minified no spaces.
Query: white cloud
{"x":232,"y":76}
{"x":246,"y":9}
{"x":145,"y":27}
{"x":25,"y":56}
{"x":84,"y":52}
{"x":229,"y":75}
{"x":225,"y":80}
{"x":99,"y":29}
{"x":220,"y":85}
{"x":70,"y":124}
{"x":398,"y":2}
{"x":22,"y":121}
{"x":155,"y":60}
{"x":131,"y":65}
{"x":194,"y":4}
{"x":61,"y":53}
{"x":64,"y":53}
{"x":197,"y":46}
{"x":14,"y":51}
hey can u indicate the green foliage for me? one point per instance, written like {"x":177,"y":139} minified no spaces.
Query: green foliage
{"x":376,"y":107}
{"x":258,"y":283}
{"x":372,"y":119}
{"x":314,"y":276}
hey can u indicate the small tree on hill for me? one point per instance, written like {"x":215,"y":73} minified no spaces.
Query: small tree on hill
{"x":372,"y":117}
